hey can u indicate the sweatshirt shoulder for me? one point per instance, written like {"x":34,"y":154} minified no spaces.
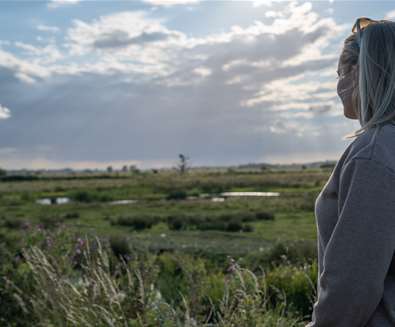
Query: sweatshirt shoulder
{"x":376,"y":145}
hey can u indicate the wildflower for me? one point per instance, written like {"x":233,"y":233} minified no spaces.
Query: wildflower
{"x":49,"y":241}
{"x":26,"y":225}
{"x":233,"y":266}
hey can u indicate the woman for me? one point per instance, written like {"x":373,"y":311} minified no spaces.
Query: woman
{"x":355,"y":211}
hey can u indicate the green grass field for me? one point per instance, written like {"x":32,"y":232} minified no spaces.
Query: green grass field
{"x":190,"y":261}
{"x":91,"y":211}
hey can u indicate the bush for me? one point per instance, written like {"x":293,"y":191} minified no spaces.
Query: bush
{"x":138,"y":223}
{"x":212,"y":225}
{"x":50,"y":222}
{"x":14,"y":223}
{"x":26,"y":197}
{"x":262,"y":215}
{"x":308,"y":201}
{"x":71,"y":215}
{"x":298,"y":252}
{"x":213,"y":188}
{"x":45,"y":288}
{"x":87,"y":197}
{"x":177,"y":195}
{"x":246,"y":216}
{"x":81,"y":196}
{"x":176,"y":222}
{"x":247,"y":228}
{"x":293,"y":285}
{"x":234,"y":226}
{"x":182,"y":275}
{"x":120,"y":247}
{"x":19,"y":178}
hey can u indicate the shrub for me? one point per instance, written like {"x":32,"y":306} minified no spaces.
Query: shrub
{"x":308,"y":201}
{"x":262,"y":215}
{"x":87,"y":197}
{"x":14,"y":223}
{"x":47,"y":289}
{"x":19,"y":178}
{"x":120,"y":247}
{"x":176,"y":195}
{"x":212,"y":225}
{"x":176,"y":222}
{"x":246,"y":216}
{"x":81,"y":196}
{"x":138,"y":223}
{"x":298,"y":252}
{"x":71,"y":215}
{"x":247,"y":228}
{"x":213,"y":188}
{"x":26,"y":197}
{"x":50,"y":222}
{"x":293,"y":285}
{"x":234,"y":226}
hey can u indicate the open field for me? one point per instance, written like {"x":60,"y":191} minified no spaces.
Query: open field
{"x":90,"y":207}
{"x":176,"y":241}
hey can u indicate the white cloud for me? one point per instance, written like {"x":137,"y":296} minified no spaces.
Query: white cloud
{"x":43,"y":55}
{"x":221,"y":90}
{"x":299,"y":95}
{"x":46,"y":28}
{"x":286,"y":127}
{"x":274,"y":14}
{"x":268,"y":3}
{"x":168,"y":3}
{"x":202,"y":71}
{"x":390,"y":15}
{"x":136,"y":43}
{"x":118,"y":32}
{"x":59,"y":3}
{"x":142,"y":46}
{"x":24,"y":70}
{"x":4,"y":42}
{"x":4,"y":112}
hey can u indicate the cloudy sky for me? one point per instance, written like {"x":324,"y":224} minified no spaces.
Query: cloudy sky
{"x":85,"y":84}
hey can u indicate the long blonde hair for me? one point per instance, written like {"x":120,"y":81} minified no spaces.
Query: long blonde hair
{"x":374,"y":96}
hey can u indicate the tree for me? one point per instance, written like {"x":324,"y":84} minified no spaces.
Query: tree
{"x":109,"y":169}
{"x":183,"y":165}
{"x":3,"y":172}
{"x":125,"y":169}
{"x":133,"y":169}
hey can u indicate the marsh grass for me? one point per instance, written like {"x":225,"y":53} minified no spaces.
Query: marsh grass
{"x":50,"y":275}
{"x":87,"y":285}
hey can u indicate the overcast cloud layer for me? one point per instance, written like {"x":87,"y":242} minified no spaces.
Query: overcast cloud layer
{"x":137,"y":84}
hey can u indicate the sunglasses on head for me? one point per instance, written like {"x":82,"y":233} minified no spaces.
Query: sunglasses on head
{"x":361,"y":23}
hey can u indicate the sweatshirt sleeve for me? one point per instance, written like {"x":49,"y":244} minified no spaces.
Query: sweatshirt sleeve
{"x":360,"y":249}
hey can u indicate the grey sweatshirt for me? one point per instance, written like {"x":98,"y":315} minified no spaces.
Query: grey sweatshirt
{"x":355,"y":219}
